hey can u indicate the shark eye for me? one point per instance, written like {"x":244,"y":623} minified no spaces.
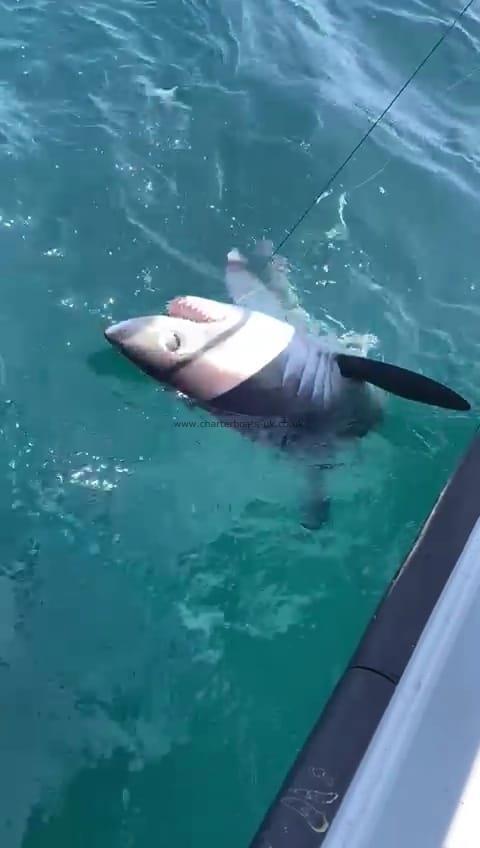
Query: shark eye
{"x":173,"y":343}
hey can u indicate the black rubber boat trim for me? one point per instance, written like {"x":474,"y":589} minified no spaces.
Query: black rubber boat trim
{"x":388,"y":677}
{"x":312,"y":792}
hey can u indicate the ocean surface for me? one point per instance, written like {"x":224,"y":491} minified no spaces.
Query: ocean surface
{"x":169,"y":632}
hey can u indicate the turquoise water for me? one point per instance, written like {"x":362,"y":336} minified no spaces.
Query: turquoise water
{"x":168,"y":631}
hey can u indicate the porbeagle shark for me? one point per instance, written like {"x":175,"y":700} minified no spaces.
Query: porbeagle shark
{"x":256,"y":366}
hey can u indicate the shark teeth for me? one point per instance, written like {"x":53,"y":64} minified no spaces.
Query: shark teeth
{"x":196,"y":309}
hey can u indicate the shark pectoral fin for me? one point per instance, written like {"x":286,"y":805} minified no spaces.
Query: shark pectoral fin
{"x":261,"y":283}
{"x":274,"y":270}
{"x":247,"y":289}
{"x":264,"y":248}
{"x":400,"y":381}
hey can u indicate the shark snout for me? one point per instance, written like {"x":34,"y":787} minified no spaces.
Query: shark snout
{"x":123,"y":333}
{"x":151,"y":342}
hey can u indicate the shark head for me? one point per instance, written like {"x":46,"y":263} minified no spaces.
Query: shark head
{"x":201,"y":347}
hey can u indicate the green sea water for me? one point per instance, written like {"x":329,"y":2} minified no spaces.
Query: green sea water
{"x":168,"y":630}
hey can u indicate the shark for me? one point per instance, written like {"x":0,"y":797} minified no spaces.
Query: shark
{"x":258,"y":365}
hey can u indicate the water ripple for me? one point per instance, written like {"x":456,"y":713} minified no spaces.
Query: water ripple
{"x":152,"y":577}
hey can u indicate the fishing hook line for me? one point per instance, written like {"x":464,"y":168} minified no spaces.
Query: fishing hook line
{"x":375,"y":124}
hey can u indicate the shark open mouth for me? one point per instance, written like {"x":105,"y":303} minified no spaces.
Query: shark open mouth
{"x":196,"y":309}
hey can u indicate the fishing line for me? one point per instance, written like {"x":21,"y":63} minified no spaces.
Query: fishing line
{"x":229,"y":331}
{"x":350,"y":156}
